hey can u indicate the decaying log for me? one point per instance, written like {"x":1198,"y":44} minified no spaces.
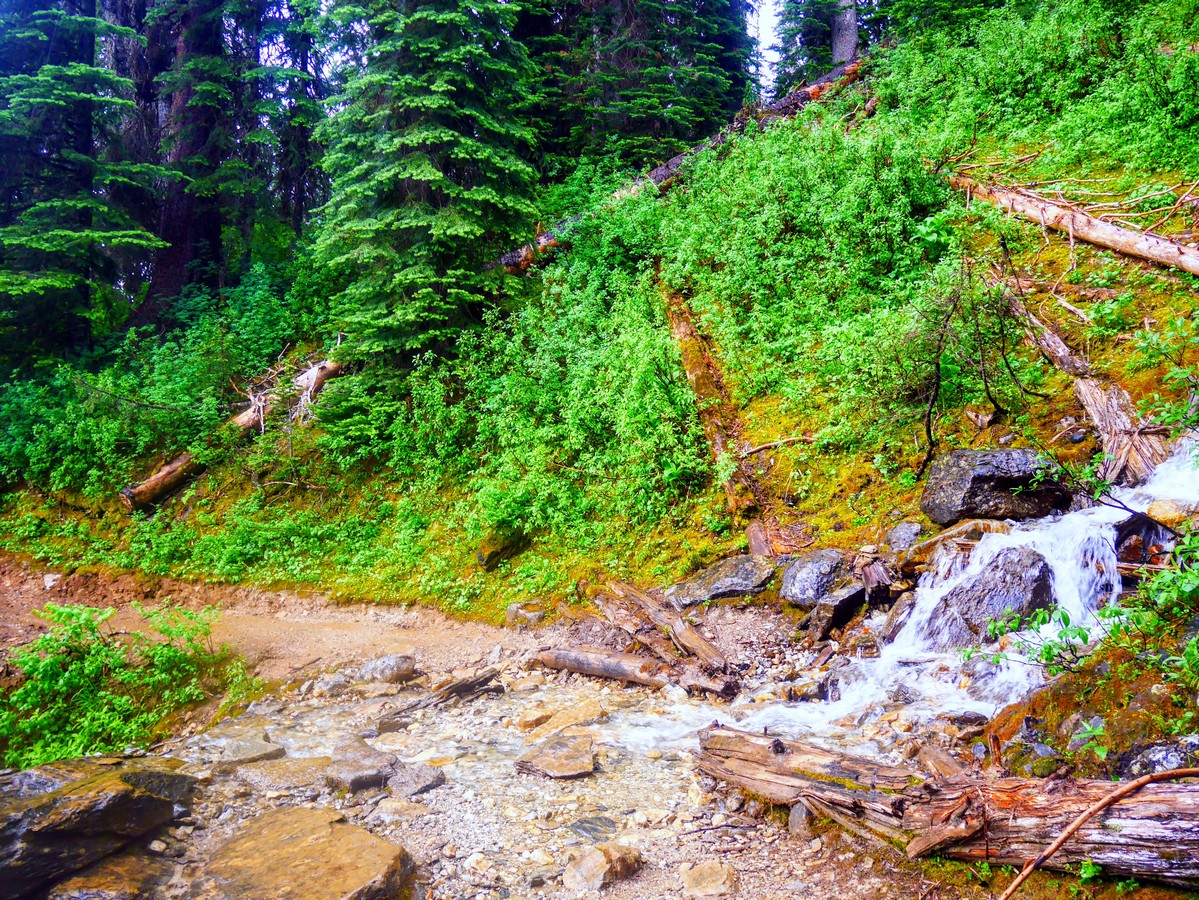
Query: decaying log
{"x":1056,"y":350}
{"x":461,"y":689}
{"x":1151,"y":834}
{"x":636,"y":669}
{"x":184,"y":467}
{"x":716,"y":414}
{"x":1079,"y":225}
{"x":628,"y":619}
{"x":1133,"y":448}
{"x":682,"y":632}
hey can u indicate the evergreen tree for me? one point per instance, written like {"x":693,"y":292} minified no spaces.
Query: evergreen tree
{"x":425,"y":157}
{"x":65,"y":238}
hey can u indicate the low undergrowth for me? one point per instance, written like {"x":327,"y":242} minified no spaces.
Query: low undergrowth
{"x":85,"y":687}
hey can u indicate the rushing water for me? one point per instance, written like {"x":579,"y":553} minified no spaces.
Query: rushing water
{"x":1080,"y":550}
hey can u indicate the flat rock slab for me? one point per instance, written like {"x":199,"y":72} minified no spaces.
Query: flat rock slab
{"x":412,"y":781}
{"x":736,"y":576}
{"x":243,"y":750}
{"x":588,"y":712}
{"x":49,"y":836}
{"x":560,"y":757}
{"x":125,"y":876}
{"x":285,"y":774}
{"x":304,"y":854}
{"x":357,"y":766}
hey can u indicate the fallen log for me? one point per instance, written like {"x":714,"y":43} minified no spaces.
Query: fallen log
{"x":634,"y":669}
{"x":716,"y":415}
{"x":1079,"y":225}
{"x":461,"y":689}
{"x":1051,"y":344}
{"x":625,"y":617}
{"x":1133,"y":448}
{"x":1151,"y":834}
{"x":184,"y":467}
{"x":679,"y":630}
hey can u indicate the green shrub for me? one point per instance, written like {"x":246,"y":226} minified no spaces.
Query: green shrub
{"x":88,"y":689}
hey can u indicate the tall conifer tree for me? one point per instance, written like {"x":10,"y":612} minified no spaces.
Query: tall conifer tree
{"x":426,"y":160}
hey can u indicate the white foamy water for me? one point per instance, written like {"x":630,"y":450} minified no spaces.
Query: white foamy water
{"x":1080,"y":550}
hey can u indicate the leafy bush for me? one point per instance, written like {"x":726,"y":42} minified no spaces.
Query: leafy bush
{"x":88,"y":689}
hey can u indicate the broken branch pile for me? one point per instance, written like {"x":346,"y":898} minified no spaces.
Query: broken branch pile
{"x":1151,"y":833}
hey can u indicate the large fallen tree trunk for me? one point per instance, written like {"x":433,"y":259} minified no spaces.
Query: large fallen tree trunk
{"x":1151,"y":834}
{"x":518,"y":261}
{"x":684,"y":635}
{"x":1079,"y":225}
{"x":1133,"y":449}
{"x":716,"y":415}
{"x":635,"y":669}
{"x":184,"y":467}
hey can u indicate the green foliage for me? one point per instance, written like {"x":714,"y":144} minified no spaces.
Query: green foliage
{"x":88,"y":689}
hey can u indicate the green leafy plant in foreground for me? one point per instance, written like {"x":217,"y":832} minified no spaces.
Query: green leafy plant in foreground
{"x":88,"y":688}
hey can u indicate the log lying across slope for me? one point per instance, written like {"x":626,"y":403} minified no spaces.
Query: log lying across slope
{"x":179,"y":470}
{"x":636,"y":669}
{"x":1152,"y":834}
{"x":1078,"y":224}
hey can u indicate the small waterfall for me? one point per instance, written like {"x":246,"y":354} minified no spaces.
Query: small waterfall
{"x":1080,"y":549}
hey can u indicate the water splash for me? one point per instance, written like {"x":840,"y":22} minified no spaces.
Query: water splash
{"x":1080,"y":549}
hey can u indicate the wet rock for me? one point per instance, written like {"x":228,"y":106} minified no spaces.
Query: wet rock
{"x":736,"y":576}
{"x":327,"y":685}
{"x":304,"y":854}
{"x":53,"y":834}
{"x":897,"y":616}
{"x":596,"y":829}
{"x":412,"y":781}
{"x":903,"y":536}
{"x":835,"y":610}
{"x":243,"y":749}
{"x":810,"y":576}
{"x":918,"y":558}
{"x":799,"y":822}
{"x":601,"y":866}
{"x":357,"y":766}
{"x":503,"y":543}
{"x":532,"y":718}
{"x":1018,"y":578}
{"x":806,"y":691}
{"x":901,"y":693}
{"x":125,"y":876}
{"x":560,"y":757}
{"x":51,"y":776}
{"x":982,"y":484}
{"x":708,"y":879}
{"x":1173,"y":513}
{"x":588,"y":712}
{"x":523,"y":615}
{"x":395,"y":668}
{"x":391,"y":811}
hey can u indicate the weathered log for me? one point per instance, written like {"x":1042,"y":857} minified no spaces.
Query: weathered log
{"x":635,"y":669}
{"x":1055,"y":348}
{"x":1133,"y":448}
{"x":461,"y":689}
{"x":184,"y":467}
{"x":1079,"y":225}
{"x":682,"y":632}
{"x":1152,"y":834}
{"x":716,"y":414}
{"x":628,"y":619}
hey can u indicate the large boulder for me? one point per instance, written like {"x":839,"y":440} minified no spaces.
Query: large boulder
{"x":736,"y":576}
{"x":49,"y":835}
{"x":304,"y":854}
{"x":811,"y":576}
{"x":991,"y":484}
{"x":1017,"y":578}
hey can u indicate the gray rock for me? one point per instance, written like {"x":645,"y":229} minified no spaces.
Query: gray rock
{"x":897,"y":616}
{"x":810,"y":576}
{"x":601,"y":866}
{"x":708,"y":879}
{"x":243,"y":749}
{"x":395,"y":668}
{"x":901,"y":693}
{"x":1017,"y":578}
{"x":523,"y":615}
{"x":328,"y":685}
{"x":983,"y":484}
{"x":356,"y":766}
{"x":736,"y":576}
{"x":835,"y":610}
{"x":48,"y":836}
{"x":799,"y":822}
{"x":1178,"y":754}
{"x":1084,"y":733}
{"x":411,"y":781}
{"x":903,"y":536}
